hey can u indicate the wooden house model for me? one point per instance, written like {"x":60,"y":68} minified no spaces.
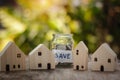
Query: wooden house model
{"x":41,"y":58}
{"x":80,"y":56}
{"x":12,"y":58}
{"x":104,"y":59}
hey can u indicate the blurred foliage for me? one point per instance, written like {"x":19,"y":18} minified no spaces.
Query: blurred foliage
{"x":31,"y":22}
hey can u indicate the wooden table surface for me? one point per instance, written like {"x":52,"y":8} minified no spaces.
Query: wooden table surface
{"x":61,"y":74}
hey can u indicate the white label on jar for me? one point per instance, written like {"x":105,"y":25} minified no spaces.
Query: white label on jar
{"x":63,"y":56}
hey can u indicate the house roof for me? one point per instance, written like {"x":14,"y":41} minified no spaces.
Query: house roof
{"x":9,"y":44}
{"x":82,"y":45}
{"x":6,"y":47}
{"x":38,"y":47}
{"x":107,"y":47}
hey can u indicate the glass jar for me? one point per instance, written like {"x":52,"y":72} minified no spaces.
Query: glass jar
{"x":62,"y":45}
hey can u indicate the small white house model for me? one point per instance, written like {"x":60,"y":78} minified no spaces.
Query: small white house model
{"x":104,"y":59}
{"x":12,"y":58}
{"x":80,"y":57}
{"x":41,"y":58}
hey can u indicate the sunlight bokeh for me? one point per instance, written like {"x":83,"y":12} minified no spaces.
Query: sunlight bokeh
{"x":31,"y":22}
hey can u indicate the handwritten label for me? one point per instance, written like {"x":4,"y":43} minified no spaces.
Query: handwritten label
{"x":63,"y":56}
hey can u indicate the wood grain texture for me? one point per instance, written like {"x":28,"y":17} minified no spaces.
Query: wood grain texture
{"x":46,"y":57}
{"x":80,"y":56}
{"x":61,"y":74}
{"x":11,"y":55}
{"x":102,"y":54}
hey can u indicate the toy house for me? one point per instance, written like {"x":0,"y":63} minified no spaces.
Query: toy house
{"x":104,"y":59}
{"x":12,"y":58}
{"x":41,"y":58}
{"x":80,"y":57}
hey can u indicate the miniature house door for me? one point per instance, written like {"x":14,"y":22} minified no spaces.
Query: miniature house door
{"x":48,"y":66}
{"x":7,"y":67}
{"x":77,"y":67}
{"x":102,"y":68}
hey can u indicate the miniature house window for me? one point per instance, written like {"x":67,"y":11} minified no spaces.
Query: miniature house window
{"x":39,"y":53}
{"x":14,"y":66}
{"x":109,"y":60}
{"x":82,"y":67}
{"x":77,"y":51}
{"x":95,"y":59}
{"x":19,"y":55}
{"x":18,"y":66}
{"x":39,"y":65}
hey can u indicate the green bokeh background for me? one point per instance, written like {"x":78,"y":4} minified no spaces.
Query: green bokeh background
{"x":31,"y":22}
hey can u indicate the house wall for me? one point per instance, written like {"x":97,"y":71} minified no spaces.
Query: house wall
{"x":52,"y":59}
{"x":10,"y":57}
{"x":103,"y":55}
{"x":18,"y":61}
{"x":32,"y":62}
{"x":81,"y":59}
{"x":46,"y":57}
{"x":3,"y":62}
{"x":107,"y":66}
{"x":35,"y":60}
